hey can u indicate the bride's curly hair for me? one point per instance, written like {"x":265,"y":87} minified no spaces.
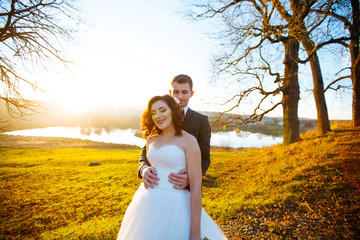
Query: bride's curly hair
{"x":148,"y":126}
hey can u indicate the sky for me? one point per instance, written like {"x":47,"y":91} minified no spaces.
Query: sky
{"x":129,"y":51}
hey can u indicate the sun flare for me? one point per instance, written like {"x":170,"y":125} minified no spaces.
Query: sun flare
{"x":77,"y":105}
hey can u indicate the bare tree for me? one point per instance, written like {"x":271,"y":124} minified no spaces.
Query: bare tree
{"x":251,"y":27}
{"x":302,"y":26}
{"x":346,"y":12}
{"x":354,"y":30}
{"x":31,"y":35}
{"x":296,"y":15}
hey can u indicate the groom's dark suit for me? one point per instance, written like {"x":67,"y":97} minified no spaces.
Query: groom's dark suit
{"x":197,"y":125}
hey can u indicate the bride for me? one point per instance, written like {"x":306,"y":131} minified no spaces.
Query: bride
{"x":164,"y":212}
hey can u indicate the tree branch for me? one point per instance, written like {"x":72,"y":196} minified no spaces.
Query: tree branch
{"x":335,"y":81}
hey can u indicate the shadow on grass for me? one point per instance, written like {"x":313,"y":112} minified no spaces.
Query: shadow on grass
{"x":210,"y":181}
{"x":322,"y":205}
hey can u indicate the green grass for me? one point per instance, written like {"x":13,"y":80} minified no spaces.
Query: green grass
{"x":305,"y":190}
{"x":55,"y":194}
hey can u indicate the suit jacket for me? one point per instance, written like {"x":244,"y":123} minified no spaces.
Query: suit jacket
{"x":197,"y":125}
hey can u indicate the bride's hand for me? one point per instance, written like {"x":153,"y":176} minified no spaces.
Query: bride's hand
{"x":150,"y":178}
{"x":180,"y":180}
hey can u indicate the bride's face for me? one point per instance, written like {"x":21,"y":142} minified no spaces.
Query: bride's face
{"x":161,"y":114}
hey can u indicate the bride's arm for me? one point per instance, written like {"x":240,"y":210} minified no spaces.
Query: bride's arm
{"x":149,"y":173}
{"x":193,"y":161}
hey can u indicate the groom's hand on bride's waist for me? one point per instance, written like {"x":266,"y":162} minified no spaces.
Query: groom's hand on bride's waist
{"x":179,"y":180}
{"x":149,"y":176}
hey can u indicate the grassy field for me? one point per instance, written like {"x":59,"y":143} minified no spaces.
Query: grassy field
{"x":55,"y":194}
{"x":308,"y":190}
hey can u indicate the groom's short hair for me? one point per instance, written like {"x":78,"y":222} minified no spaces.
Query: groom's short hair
{"x":182,"y":78}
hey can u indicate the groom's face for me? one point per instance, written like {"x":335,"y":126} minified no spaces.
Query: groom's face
{"x":182,"y":92}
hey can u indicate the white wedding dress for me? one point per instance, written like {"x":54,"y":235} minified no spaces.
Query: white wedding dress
{"x":163,"y":213}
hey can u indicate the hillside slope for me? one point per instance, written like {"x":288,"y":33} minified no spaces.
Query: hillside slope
{"x":308,"y":190}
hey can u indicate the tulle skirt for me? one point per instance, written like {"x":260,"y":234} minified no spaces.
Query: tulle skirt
{"x":161,"y":214}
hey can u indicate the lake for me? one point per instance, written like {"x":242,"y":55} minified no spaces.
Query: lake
{"x":221,"y":139}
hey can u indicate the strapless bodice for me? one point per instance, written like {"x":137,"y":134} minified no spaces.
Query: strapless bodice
{"x":164,"y":212}
{"x":166,"y":159}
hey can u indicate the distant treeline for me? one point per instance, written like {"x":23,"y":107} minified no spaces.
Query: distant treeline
{"x":104,"y":121}
{"x":52,"y":115}
{"x":269,"y":126}
{"x":107,"y":119}
{"x":108,"y":122}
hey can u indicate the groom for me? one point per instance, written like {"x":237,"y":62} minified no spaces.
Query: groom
{"x":196,"y":124}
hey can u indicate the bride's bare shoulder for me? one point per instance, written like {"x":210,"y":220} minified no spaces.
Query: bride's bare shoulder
{"x":188,"y":137}
{"x":151,"y":139}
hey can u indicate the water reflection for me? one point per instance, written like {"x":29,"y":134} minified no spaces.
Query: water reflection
{"x":130,"y":136}
{"x":94,"y":134}
{"x":243,"y":139}
{"x":98,"y":131}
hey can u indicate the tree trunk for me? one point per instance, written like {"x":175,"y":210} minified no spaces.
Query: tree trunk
{"x":355,"y":62}
{"x":323,"y":123}
{"x":355,"y":76}
{"x":291,"y":92}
